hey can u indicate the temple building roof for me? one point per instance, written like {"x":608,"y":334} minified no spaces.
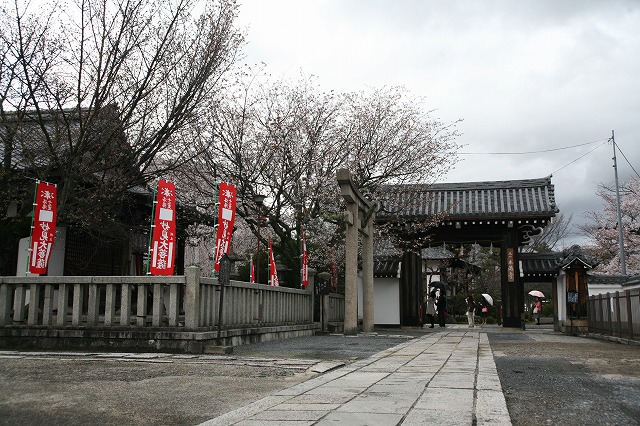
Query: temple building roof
{"x":529,"y":198}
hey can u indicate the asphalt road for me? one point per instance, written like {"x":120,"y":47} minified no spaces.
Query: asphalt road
{"x":547,"y":378}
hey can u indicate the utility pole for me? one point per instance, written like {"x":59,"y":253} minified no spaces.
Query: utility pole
{"x":623,"y":264}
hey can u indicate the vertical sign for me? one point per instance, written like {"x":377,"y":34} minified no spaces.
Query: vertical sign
{"x":44,"y":227}
{"x":511,"y":266}
{"x":252,"y":272}
{"x":163,"y":237}
{"x":273,"y":272}
{"x":226,"y":218}
{"x":305,"y":260}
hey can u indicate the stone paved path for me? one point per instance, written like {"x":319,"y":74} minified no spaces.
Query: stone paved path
{"x":447,"y":377}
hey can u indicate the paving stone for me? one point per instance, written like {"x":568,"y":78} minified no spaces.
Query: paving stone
{"x":452,"y":380}
{"x":491,"y":408}
{"x":277,"y":414}
{"x":397,"y":389}
{"x":324,"y":399}
{"x":446,"y":399}
{"x":246,"y":412}
{"x":418,"y":417}
{"x":355,"y":419}
{"x":379,"y":403}
{"x":275,"y":423}
{"x":294,"y":405}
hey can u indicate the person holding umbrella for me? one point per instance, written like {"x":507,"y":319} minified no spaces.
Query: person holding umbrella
{"x":537,"y":308}
{"x":484,"y":311}
{"x":537,"y":305}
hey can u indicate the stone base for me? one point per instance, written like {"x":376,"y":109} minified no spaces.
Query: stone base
{"x":218,"y":350}
{"x":576,"y":327}
{"x":142,"y":340}
{"x":336,"y":327}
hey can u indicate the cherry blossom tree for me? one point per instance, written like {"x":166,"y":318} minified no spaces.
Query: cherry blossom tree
{"x":285,"y":140}
{"x":101,"y":96}
{"x":603,"y":229}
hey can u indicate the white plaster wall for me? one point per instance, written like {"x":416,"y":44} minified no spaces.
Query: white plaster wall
{"x":386,"y":300}
{"x":561,"y":296}
{"x":595,"y":289}
{"x":56,"y":259}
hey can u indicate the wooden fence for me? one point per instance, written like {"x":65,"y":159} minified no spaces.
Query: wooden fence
{"x":615,"y":314}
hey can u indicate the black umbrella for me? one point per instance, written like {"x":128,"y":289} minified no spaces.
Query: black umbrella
{"x":440,"y":285}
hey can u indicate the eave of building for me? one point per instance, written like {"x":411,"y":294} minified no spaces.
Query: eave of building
{"x":495,"y":202}
{"x":573,"y":261}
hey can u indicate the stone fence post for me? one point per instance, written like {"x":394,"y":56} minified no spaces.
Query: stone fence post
{"x":192,"y":298}
{"x":311,"y":288}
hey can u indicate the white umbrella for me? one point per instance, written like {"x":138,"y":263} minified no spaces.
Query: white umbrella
{"x":536,"y":293}
{"x":488,"y":298}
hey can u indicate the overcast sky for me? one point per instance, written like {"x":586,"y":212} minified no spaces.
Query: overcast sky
{"x":523,"y":75}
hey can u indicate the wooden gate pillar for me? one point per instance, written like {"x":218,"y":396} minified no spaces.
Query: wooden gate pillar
{"x":512,"y":286}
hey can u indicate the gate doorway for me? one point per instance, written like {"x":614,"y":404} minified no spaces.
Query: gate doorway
{"x":505,"y":214}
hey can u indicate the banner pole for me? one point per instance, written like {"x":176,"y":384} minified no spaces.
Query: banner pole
{"x":215,"y":230}
{"x":33,"y":221}
{"x":152,"y":225}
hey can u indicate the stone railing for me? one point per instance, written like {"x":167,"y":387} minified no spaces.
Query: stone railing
{"x":188,"y":302}
{"x":336,"y":308}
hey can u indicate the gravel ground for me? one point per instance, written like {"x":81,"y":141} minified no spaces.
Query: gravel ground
{"x":548,"y":378}
{"x":329,"y":347}
{"x":553,"y":379}
{"x":171,"y":390}
{"x":66,"y":391}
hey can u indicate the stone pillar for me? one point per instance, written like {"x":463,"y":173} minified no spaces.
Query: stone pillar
{"x":351,"y":271}
{"x":367,"y":276}
{"x":192,"y":298}
{"x":34,"y":302}
{"x":312,"y":290}
{"x":357,"y":204}
{"x":5,"y":303}
{"x":325,"y":312}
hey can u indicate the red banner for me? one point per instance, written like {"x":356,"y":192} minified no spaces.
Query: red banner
{"x":226,"y":219}
{"x":163,"y":239}
{"x":44,"y":227}
{"x":305,"y":260}
{"x":334,"y":271}
{"x":273,"y":273}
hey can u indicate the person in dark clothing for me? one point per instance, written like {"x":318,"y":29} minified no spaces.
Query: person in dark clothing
{"x":441,"y":304}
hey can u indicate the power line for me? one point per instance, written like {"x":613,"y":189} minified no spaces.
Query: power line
{"x":628,"y":162}
{"x":584,"y":155}
{"x":532,"y":152}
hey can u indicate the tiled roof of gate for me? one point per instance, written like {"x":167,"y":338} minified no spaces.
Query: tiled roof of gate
{"x":540,"y":263}
{"x":387,"y":267}
{"x":472,"y":200}
{"x":551,"y":263}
